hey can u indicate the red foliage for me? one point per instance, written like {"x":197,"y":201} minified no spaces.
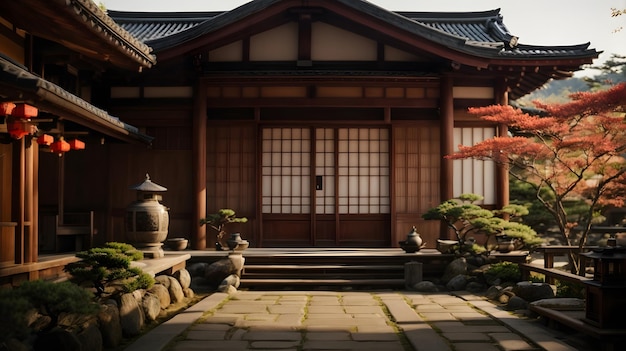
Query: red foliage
{"x":578,"y":141}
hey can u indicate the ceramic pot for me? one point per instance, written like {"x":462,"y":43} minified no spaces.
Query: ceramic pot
{"x":413,"y":242}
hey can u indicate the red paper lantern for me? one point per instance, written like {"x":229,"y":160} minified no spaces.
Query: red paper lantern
{"x":76,"y":144}
{"x":60,"y":146}
{"x":24,"y":111}
{"x":45,"y":139}
{"x":6,"y":108}
{"x":18,"y":128}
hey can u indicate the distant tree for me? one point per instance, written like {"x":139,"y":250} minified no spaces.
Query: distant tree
{"x":573,"y":153}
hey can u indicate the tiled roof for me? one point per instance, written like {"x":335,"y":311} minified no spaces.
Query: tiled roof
{"x":81,"y":25}
{"x":17,"y":84}
{"x":482,"y":34}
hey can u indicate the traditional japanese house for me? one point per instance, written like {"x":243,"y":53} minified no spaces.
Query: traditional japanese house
{"x":52,"y":58}
{"x":325,"y":123}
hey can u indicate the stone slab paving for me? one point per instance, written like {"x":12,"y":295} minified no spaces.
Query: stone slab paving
{"x":323,"y":320}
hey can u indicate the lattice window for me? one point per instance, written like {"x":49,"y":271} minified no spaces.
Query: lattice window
{"x":363,"y":170}
{"x":474,"y":176}
{"x":286,"y":170}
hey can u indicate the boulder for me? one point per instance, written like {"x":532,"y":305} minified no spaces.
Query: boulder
{"x":561,"y":304}
{"x":110,"y":325}
{"x":131,"y":315}
{"x":162,"y":293}
{"x":151,"y":305}
{"x":189,"y":293}
{"x":457,"y":283}
{"x":534,"y":291}
{"x":183,"y":277}
{"x":475,"y":287}
{"x":217,"y":271}
{"x":90,"y":337}
{"x":197,"y":269}
{"x":516,"y":303}
{"x":175,"y":290}
{"x":57,"y":339}
{"x":425,"y":286}
{"x":456,"y":267}
{"x":493,"y":292}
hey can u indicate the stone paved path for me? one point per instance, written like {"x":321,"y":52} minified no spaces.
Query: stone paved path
{"x":318,"y":320}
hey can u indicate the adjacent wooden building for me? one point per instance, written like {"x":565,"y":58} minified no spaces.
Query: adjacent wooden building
{"x":324,"y":122}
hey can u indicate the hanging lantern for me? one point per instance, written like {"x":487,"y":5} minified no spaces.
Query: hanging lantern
{"x":6,"y":108}
{"x":24,"y":111}
{"x":60,"y":146}
{"x":18,"y":128}
{"x":45,"y":139}
{"x":76,"y":144}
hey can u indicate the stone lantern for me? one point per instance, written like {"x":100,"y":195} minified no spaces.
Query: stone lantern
{"x":147,"y":220}
{"x":606,"y":293}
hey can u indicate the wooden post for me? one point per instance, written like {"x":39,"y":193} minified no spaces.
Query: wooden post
{"x":446,"y":106}
{"x":413,"y":274}
{"x":198,"y":239}
{"x":502,"y":171}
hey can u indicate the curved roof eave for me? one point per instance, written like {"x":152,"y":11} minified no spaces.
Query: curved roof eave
{"x":80,"y":25}
{"x":501,"y":48}
{"x":19,"y":85}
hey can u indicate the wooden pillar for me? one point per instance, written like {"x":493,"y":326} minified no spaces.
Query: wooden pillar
{"x":198,"y":237}
{"x":446,"y":108}
{"x":31,"y":202}
{"x":18,"y":197}
{"x":502,"y":171}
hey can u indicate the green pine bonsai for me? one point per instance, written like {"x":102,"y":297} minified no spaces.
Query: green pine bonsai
{"x":109,"y":267}
{"x":218,"y":222}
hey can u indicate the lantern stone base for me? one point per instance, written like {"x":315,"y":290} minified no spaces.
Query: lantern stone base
{"x":151,"y":250}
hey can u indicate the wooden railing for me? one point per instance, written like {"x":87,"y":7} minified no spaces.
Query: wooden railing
{"x":552,"y":274}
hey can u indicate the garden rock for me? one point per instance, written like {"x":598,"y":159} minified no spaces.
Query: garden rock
{"x":90,"y":338}
{"x":162,"y":293}
{"x":561,"y":304}
{"x":57,"y":339}
{"x":183,"y":277}
{"x":189,"y":293}
{"x":534,"y":291}
{"x":197,"y":269}
{"x":475,"y":287}
{"x":493,"y":292}
{"x":425,"y":286}
{"x":455,"y":268}
{"x":110,"y":327}
{"x":505,"y":297}
{"x":131,"y":315}
{"x":151,"y":306}
{"x":175,"y":290}
{"x":217,"y":271}
{"x":457,"y":283}
{"x":163,"y":280}
{"x":516,"y":303}
{"x":232,"y":280}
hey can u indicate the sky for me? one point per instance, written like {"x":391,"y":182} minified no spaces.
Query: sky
{"x":535,"y":22}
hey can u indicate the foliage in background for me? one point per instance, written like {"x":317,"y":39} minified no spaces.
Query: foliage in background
{"x":572,"y":153}
{"x":47,"y":298}
{"x":110,"y":267}
{"x":506,"y":271}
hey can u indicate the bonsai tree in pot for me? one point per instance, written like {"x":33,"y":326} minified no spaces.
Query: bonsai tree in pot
{"x":465,"y":218}
{"x":218,"y":222}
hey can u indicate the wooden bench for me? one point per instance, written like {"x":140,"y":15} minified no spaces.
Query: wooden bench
{"x":78,"y":226}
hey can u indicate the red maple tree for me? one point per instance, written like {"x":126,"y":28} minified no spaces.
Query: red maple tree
{"x":574,"y":151}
